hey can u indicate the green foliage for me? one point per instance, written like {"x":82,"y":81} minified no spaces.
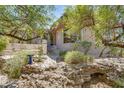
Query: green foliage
{"x":106,"y":17}
{"x":75,"y":16}
{"x":28,"y":19}
{"x":75,"y":57}
{"x":76,"y":46}
{"x":101,"y":18}
{"x":13,"y":65}
{"x":116,"y":52}
{"x":62,"y":54}
{"x":119,"y":83}
{"x":3,"y":43}
{"x":86,"y":45}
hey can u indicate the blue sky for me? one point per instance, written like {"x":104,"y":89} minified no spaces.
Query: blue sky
{"x":59,"y":10}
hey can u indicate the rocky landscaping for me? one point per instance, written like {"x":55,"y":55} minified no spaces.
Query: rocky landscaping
{"x":102,"y":73}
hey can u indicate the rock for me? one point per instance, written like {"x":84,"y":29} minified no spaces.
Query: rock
{"x":28,"y":69}
{"x":39,"y":58}
{"x":61,"y":76}
{"x":50,"y":74}
{"x":3,"y":79}
{"x":100,"y":85}
{"x":47,"y":78}
{"x":47,"y":64}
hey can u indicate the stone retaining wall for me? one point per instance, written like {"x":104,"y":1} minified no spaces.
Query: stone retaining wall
{"x":32,"y":48}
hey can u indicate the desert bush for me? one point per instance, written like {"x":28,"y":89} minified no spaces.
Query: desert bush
{"x":76,"y":46}
{"x":75,"y":57}
{"x":13,"y":65}
{"x":62,"y":54}
{"x":86,"y":45}
{"x":116,"y":52}
{"x":119,"y":83}
{"x":3,"y":42}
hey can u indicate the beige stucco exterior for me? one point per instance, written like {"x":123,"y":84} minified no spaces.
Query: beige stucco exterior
{"x":86,"y":34}
{"x":59,"y":39}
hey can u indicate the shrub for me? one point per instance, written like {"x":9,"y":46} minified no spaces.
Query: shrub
{"x":117,"y":52}
{"x":3,"y":43}
{"x":76,"y":46}
{"x":82,"y":44}
{"x":62,"y":54}
{"x":86,"y":45}
{"x":13,"y":66}
{"x":75,"y":57}
{"x":119,"y":83}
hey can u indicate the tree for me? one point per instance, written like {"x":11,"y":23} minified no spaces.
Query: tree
{"x":106,"y":17}
{"x":25,"y":22}
{"x":107,"y":32}
{"x":77,"y":17}
{"x":102,"y":19}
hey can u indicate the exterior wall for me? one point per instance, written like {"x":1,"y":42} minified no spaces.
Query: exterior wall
{"x":37,"y":41}
{"x":44,"y":46}
{"x":96,"y":51}
{"x":67,"y":46}
{"x":86,"y":34}
{"x":59,"y":39}
{"x":32,"y":48}
{"x":93,"y":50}
{"x":60,"y":42}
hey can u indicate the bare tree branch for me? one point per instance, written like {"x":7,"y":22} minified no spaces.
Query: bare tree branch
{"x":19,"y":38}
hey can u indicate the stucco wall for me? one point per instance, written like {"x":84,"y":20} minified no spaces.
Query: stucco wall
{"x":86,"y":34}
{"x":93,"y":50}
{"x":67,"y":46}
{"x":59,"y":39}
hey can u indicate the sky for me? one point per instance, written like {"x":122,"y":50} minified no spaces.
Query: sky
{"x":59,"y":10}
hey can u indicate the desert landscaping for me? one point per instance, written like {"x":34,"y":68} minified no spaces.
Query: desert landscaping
{"x":82,"y":48}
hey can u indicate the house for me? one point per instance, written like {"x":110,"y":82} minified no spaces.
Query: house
{"x":64,"y":42}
